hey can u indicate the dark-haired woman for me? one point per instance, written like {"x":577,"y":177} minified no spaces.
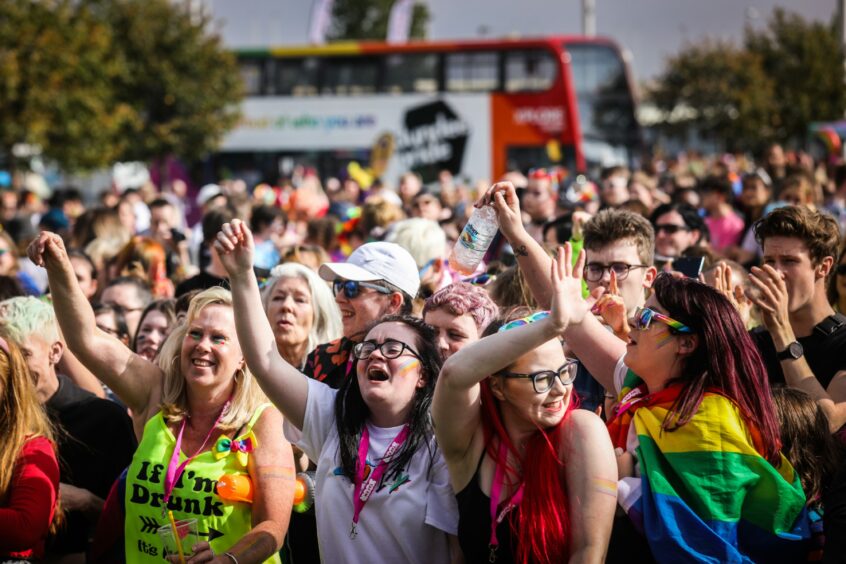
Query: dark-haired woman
{"x":700,"y":467}
{"x":383,"y":487}
{"x":535,"y":479}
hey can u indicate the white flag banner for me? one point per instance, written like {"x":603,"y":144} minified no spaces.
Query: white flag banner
{"x":321,"y":17}
{"x":399,"y":22}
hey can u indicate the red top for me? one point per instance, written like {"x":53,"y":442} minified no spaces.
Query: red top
{"x":27,"y":512}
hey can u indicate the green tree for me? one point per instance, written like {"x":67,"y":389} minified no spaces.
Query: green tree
{"x":184,"y":85}
{"x":56,"y":83}
{"x":719,"y":89}
{"x":805,"y":61}
{"x":368,"y":19}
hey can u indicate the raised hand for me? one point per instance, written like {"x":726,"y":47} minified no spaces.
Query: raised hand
{"x":612,"y":309}
{"x":503,"y":197}
{"x":772,"y":299}
{"x":235,"y":247}
{"x":568,"y":305}
{"x":46,"y":247}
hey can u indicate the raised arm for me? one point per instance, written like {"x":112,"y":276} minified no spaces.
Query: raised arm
{"x":773,"y":301}
{"x":534,"y":261}
{"x":135,"y":381}
{"x":456,"y":405}
{"x":286,"y":387}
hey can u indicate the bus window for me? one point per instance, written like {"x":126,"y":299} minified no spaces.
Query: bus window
{"x":529,"y":71}
{"x":250,"y":70}
{"x":472,"y":72}
{"x":296,"y":77}
{"x":411,"y":73}
{"x":344,"y":77}
{"x":605,"y":104}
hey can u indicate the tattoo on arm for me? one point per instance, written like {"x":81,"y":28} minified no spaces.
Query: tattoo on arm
{"x":521,"y":251}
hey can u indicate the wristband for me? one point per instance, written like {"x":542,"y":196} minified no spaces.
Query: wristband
{"x":232,"y":556}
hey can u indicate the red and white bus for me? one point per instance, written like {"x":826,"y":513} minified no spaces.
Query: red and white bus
{"x":475,"y":108}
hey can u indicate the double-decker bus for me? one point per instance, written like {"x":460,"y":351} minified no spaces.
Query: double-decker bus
{"x":475,"y":108}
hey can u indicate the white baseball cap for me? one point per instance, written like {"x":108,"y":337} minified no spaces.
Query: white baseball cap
{"x":377,"y":261}
{"x":208,"y":192}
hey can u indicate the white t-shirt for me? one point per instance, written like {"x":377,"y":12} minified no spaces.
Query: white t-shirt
{"x":628,"y":488}
{"x":407,"y":518}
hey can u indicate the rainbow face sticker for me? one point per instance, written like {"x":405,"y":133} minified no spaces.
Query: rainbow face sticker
{"x":408,"y":366}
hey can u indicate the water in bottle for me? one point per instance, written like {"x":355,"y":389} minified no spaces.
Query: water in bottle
{"x":474,"y":240}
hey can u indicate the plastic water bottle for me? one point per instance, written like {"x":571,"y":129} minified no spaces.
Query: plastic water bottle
{"x":474,"y":240}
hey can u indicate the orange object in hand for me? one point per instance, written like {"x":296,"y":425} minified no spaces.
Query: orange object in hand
{"x":235,"y":487}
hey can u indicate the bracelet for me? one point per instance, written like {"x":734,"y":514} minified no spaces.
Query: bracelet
{"x":232,"y":556}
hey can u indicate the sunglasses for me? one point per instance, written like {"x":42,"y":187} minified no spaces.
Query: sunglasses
{"x":480,"y":279}
{"x":543,"y":380}
{"x":643,"y":318}
{"x":352,"y":288}
{"x":389,"y":349}
{"x":670,"y":228}
{"x":524,"y":321}
{"x":841,"y":269}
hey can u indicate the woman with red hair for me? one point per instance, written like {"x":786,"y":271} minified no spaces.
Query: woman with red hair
{"x":535,"y":478}
{"x":145,"y":258}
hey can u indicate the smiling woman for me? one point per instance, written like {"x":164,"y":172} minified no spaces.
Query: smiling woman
{"x":382,"y":482}
{"x":196,"y":399}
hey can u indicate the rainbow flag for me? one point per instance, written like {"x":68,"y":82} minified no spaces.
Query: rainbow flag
{"x":705,"y":494}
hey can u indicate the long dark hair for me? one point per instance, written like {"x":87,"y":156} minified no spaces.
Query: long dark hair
{"x":351,"y":412}
{"x":726,"y":359}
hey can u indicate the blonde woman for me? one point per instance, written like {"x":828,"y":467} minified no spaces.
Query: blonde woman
{"x":204,"y":418}
{"x":29,"y":470}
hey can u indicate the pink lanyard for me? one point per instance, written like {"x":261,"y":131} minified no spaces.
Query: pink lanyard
{"x":362,"y":494}
{"x":174,"y":469}
{"x":508,"y":505}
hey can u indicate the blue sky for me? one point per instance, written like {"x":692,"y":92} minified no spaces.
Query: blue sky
{"x":650,"y":29}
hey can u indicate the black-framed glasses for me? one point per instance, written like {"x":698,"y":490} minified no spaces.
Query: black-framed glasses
{"x":543,"y":380}
{"x":594,"y":271}
{"x":643,"y":319}
{"x":389,"y":349}
{"x":841,"y":269}
{"x":670,"y":228}
{"x":352,"y":288}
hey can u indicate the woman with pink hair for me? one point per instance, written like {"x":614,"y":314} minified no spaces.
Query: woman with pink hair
{"x":459,"y":313}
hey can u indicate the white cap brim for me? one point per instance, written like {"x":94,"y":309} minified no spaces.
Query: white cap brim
{"x":332,"y":270}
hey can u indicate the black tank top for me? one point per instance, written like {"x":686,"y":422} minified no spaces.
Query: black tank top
{"x":474,"y":525}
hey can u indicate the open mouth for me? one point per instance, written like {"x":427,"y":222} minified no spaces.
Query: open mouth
{"x":346,"y":314}
{"x":202,"y":363}
{"x":553,"y":406}
{"x":377,"y":375}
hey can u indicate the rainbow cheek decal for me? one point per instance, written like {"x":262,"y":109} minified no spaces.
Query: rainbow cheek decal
{"x":664,"y":338}
{"x":408,"y":366}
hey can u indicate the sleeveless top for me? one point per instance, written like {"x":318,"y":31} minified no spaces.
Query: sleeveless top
{"x":220,"y":522}
{"x":474,"y":525}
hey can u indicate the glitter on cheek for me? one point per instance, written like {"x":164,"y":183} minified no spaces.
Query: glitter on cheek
{"x":408,"y":366}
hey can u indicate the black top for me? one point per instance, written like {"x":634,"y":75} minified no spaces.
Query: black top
{"x":328,"y":363}
{"x":474,"y":525}
{"x":95,"y":443}
{"x":824,"y":352}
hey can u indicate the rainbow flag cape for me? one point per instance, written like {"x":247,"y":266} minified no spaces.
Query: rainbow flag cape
{"x":704,"y":493}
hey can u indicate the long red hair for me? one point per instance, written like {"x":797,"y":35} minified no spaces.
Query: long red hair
{"x":542,"y":525}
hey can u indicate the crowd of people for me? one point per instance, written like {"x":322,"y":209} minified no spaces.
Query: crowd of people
{"x":649,"y":367}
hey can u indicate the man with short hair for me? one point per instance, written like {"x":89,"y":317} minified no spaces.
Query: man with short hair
{"x":621,"y":242}
{"x":539,"y":202}
{"x":799,"y":250}
{"x":677,"y":227}
{"x":378,"y":279}
{"x":163,"y":223}
{"x":131,"y":295}
{"x":97,"y":441}
{"x":724,"y":224}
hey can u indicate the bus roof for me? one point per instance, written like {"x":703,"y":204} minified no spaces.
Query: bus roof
{"x":347,"y":48}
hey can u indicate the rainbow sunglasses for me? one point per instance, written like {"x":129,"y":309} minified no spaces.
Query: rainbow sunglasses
{"x":537,"y":316}
{"x":643,"y":317}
